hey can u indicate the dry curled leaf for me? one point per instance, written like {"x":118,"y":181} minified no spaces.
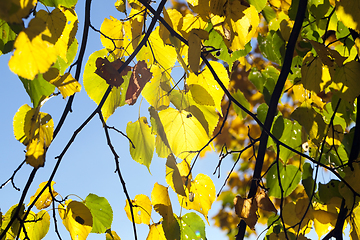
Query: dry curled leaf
{"x":139,"y":77}
{"x":109,"y":71}
{"x":246,"y":209}
{"x":264,"y":202}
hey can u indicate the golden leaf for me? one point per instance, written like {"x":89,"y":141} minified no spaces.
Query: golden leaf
{"x":141,"y":209}
{"x":46,"y":198}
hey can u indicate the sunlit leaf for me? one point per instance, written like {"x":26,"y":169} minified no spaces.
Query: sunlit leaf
{"x":272,"y":47}
{"x":32,"y":54}
{"x":161,"y":201}
{"x":37,"y":88}
{"x":194,"y":52}
{"x":239,"y":96}
{"x":7,"y":37}
{"x":183,"y":131}
{"x":101,"y":212}
{"x":203,"y":190}
{"x":156,"y":51}
{"x":153,"y":91}
{"x":46,"y":198}
{"x":141,"y":209}
{"x":346,"y":81}
{"x":37,"y":225}
{"x":113,"y":38}
{"x":95,"y":86}
{"x":111,"y":235}
{"x":355,"y":226}
{"x":77,"y":219}
{"x":348,"y":13}
{"x":192,"y":226}
{"x":156,"y":232}
{"x":140,"y":134}
{"x":67,"y":85}
{"x":288,"y":132}
{"x":57,"y":3}
{"x":35,"y":130}
{"x":204,"y":87}
{"x":161,"y":142}
{"x":242,"y":28}
{"x":173,"y":177}
{"x":63,"y":64}
{"x":264,"y":202}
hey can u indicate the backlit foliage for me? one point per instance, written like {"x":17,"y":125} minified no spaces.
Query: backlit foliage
{"x":271,"y":84}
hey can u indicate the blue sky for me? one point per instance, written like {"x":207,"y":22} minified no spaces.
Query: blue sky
{"x":88,"y":166}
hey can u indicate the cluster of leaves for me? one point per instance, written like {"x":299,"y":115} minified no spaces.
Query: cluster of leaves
{"x":291,"y":116}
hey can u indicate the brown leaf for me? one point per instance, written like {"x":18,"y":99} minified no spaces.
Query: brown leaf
{"x":264,"y":202}
{"x":246,"y":209}
{"x":139,"y":77}
{"x":109,"y":71}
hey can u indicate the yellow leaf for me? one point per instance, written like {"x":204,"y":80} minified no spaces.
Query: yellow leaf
{"x":32,"y":54}
{"x":113,"y":38}
{"x":161,"y":141}
{"x":183,"y":131}
{"x":348,"y":13}
{"x":13,"y":11}
{"x":311,"y":72}
{"x":153,"y":92}
{"x":161,"y":201}
{"x":328,"y":56}
{"x":77,"y":219}
{"x":141,"y":209}
{"x":291,"y":212}
{"x":242,"y":29}
{"x":201,"y":194}
{"x":246,"y":209}
{"x":95,"y":86}
{"x":140,"y":134}
{"x":121,"y":5}
{"x":133,"y":29}
{"x":156,"y":232}
{"x":45,"y":199}
{"x":189,"y":22}
{"x":205,"y":85}
{"x":35,"y":130}
{"x":346,"y":81}
{"x":355,"y":224}
{"x":324,"y":221}
{"x":36,"y":225}
{"x":67,"y":85}
{"x":173,"y":177}
{"x":157,"y":51}
{"x":172,"y":17}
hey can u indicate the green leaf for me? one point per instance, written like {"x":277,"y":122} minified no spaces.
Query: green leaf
{"x":217,"y":42}
{"x":288,"y":132}
{"x":61,"y":64}
{"x":239,"y":96}
{"x":37,"y":88}
{"x":101,"y":212}
{"x":311,"y":120}
{"x":258,"y":4}
{"x":329,"y":190}
{"x":272,"y":47}
{"x":318,"y":8}
{"x":307,"y":179}
{"x":7,"y":37}
{"x":57,"y":3}
{"x":192,"y":226}
{"x":140,"y":134}
{"x":290,"y":177}
{"x":95,"y":86}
